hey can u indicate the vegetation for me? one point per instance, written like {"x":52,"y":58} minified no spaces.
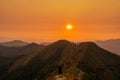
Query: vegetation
{"x":86,"y":61}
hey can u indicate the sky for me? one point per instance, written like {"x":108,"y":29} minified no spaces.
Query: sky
{"x":45,"y":20}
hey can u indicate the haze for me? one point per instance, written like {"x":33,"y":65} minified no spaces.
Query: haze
{"x":45,"y":20}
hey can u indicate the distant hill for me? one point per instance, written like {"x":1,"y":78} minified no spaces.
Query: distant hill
{"x":15,"y":51}
{"x":14,"y":43}
{"x":112,"y":45}
{"x":95,"y":62}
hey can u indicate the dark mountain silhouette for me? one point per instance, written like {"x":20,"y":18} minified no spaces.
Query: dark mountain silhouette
{"x":112,"y":45}
{"x":9,"y":55}
{"x":14,"y":43}
{"x":16,"y":51}
{"x":95,"y":62}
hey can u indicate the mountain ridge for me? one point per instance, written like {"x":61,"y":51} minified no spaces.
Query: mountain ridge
{"x":95,"y":62}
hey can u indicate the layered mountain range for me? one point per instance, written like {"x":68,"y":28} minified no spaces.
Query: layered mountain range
{"x":39,"y":63}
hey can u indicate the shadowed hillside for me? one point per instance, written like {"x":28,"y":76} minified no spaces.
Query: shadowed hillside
{"x":86,"y":57}
{"x":10,"y":55}
{"x":16,"y":51}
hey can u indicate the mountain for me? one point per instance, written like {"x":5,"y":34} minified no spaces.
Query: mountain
{"x":9,"y":55}
{"x":86,"y":57}
{"x":16,"y":51}
{"x":14,"y":43}
{"x":112,"y":45}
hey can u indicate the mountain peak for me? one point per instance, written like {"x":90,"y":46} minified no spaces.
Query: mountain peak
{"x":62,"y":42}
{"x":16,"y":41}
{"x":33,"y":44}
{"x":88,"y":44}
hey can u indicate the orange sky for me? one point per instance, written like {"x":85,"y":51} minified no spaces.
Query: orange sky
{"x":45,"y":20}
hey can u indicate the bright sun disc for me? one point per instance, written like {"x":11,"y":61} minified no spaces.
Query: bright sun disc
{"x":69,"y":27}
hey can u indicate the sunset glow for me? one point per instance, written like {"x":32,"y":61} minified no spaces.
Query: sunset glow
{"x":45,"y":20}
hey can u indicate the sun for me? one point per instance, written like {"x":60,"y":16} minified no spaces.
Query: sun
{"x":69,"y":27}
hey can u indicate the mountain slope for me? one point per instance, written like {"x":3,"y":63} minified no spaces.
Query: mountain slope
{"x":16,"y":51}
{"x":44,"y":62}
{"x":95,"y":62}
{"x":103,"y":64}
{"x":10,"y":55}
{"x":112,"y":45}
